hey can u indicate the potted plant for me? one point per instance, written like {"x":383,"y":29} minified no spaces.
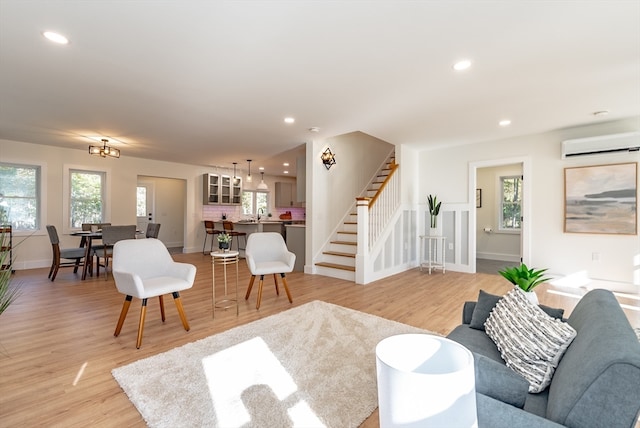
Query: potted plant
{"x":224,"y":241}
{"x":525,"y":279}
{"x":434,"y":210}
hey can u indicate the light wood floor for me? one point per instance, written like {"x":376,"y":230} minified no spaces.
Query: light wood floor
{"x":57,"y":348}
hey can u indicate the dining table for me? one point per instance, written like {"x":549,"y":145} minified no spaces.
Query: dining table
{"x":86,"y":241}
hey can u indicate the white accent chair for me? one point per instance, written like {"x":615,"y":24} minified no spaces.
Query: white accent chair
{"x":266,"y":254}
{"x":143,"y":268}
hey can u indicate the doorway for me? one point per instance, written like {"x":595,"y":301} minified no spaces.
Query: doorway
{"x":166,"y":198}
{"x":145,"y":204}
{"x":488,"y":240}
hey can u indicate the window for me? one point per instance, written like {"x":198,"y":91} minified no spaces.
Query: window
{"x":141,"y":201}
{"x":255,"y":202}
{"x":20,"y":190}
{"x":87,"y":197}
{"x":510,"y":203}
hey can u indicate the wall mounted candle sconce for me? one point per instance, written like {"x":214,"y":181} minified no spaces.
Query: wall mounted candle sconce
{"x":328,"y":158}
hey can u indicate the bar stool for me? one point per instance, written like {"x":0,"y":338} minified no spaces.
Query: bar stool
{"x":210,"y":230}
{"x":228,"y":229}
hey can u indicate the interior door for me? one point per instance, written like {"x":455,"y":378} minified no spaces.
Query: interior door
{"x":145,"y":205}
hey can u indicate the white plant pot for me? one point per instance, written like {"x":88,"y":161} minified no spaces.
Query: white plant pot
{"x":530,"y":295}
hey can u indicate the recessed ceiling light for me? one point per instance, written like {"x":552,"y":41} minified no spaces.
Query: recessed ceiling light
{"x":261,"y":168}
{"x":462,"y":65}
{"x":286,"y":172}
{"x":314,"y":129}
{"x":601,"y":113}
{"x":56,"y":38}
{"x":504,"y":122}
{"x":285,"y":164}
{"x":289,"y":120}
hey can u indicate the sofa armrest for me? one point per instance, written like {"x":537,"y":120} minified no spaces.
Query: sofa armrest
{"x":494,"y":413}
{"x":467,"y":312}
{"x":500,"y":382}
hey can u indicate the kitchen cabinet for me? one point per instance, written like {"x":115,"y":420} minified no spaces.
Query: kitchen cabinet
{"x":211,"y":189}
{"x":221,"y":189}
{"x":286,"y":195}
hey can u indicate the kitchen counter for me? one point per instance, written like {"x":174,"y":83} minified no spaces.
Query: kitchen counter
{"x":295,"y":236}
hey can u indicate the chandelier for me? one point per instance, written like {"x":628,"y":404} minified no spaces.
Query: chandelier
{"x":104,"y":150}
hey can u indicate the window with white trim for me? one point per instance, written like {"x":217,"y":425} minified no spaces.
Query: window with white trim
{"x":86,"y":197}
{"x":20,"y":201}
{"x":255,"y":202}
{"x":510,"y":203}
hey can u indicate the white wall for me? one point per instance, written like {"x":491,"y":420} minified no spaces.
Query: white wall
{"x":445,"y":172}
{"x":35,"y":251}
{"x":333,"y":191}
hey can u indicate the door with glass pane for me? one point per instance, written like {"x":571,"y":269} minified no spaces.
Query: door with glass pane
{"x":144,"y":205}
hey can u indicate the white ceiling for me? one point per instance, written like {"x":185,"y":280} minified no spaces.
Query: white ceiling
{"x":210,"y":82}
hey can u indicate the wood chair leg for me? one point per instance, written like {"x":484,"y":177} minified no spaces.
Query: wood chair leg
{"x":286,"y":287}
{"x":275,"y":279}
{"x":75,"y":267}
{"x":260,"y":291}
{"x":246,"y":297}
{"x":123,"y":315}
{"x":55,"y":272}
{"x":183,"y":316}
{"x":161,"y":307}
{"x":51,"y":270}
{"x":143,"y":313}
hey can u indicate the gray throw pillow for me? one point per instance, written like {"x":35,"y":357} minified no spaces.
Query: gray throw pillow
{"x":530,"y":341}
{"x":486,"y":303}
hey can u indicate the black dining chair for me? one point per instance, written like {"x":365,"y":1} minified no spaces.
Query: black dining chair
{"x":74,"y":256}
{"x":153,"y":229}
{"x":111,"y":235}
{"x":95,"y":248}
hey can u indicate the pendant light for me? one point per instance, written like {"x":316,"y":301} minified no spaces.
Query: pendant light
{"x":249,"y":178}
{"x":235,"y":179}
{"x":262,"y":186}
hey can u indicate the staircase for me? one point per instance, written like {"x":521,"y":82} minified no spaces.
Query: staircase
{"x":338,"y":258}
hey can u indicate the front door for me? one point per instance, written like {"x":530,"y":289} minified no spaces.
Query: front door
{"x":144,"y":205}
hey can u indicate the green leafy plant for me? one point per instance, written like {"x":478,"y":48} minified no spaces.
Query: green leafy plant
{"x":224,"y":238}
{"x":524,"y":277}
{"x":434,"y":209}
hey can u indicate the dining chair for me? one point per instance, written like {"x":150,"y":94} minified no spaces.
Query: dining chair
{"x":210,"y":230}
{"x":86,"y":227}
{"x":143,"y":268}
{"x":74,"y":256}
{"x":228,"y":229}
{"x":266,"y":254}
{"x":111,"y":235}
{"x":153,"y":229}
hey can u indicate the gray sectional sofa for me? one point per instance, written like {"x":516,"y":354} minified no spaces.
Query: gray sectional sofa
{"x":596,"y":383}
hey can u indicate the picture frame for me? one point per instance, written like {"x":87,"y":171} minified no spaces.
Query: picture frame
{"x":478,"y":198}
{"x":601,"y":199}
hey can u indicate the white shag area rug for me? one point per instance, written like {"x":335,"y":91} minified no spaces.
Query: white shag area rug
{"x":310,"y":366}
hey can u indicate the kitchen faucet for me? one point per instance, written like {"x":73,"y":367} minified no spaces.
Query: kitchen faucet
{"x":260,"y":211}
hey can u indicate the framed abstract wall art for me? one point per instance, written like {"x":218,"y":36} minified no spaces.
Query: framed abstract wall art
{"x":601,"y":199}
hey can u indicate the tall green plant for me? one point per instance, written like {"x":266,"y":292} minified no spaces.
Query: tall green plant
{"x":524,"y":277}
{"x":434,"y":209}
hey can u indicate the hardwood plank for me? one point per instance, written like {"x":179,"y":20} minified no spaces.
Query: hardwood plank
{"x":57,"y":347}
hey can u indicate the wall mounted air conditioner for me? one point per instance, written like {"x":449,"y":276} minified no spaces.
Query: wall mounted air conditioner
{"x":603,"y":144}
